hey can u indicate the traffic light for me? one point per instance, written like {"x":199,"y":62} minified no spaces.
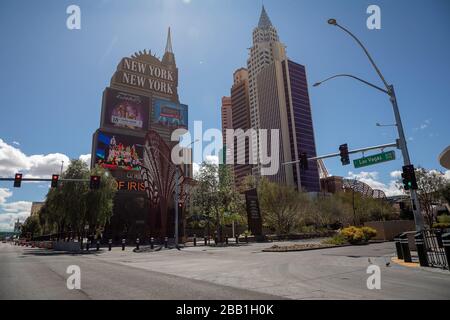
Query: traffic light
{"x":303,"y":161}
{"x":17,"y":180}
{"x":343,"y":149}
{"x":95,"y":182}
{"x":409,"y":178}
{"x":55,"y":179}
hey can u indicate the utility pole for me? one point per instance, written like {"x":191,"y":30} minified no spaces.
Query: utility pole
{"x":177,"y":186}
{"x":418,"y":218}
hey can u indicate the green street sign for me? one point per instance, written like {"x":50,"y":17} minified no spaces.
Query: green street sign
{"x":376,"y":158}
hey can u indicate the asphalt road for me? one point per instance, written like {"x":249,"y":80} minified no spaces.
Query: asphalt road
{"x":217,"y":273}
{"x":32,"y":273}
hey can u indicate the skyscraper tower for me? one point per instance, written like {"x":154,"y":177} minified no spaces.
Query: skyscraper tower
{"x":266,"y":49}
{"x":241,"y":120}
{"x":227,"y":122}
{"x":279,"y":100}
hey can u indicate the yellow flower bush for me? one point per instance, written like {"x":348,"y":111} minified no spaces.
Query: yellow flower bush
{"x":356,"y":235}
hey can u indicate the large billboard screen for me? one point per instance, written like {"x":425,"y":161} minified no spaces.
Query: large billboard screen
{"x":170,"y":114}
{"x":124,"y":110}
{"x":115,"y":151}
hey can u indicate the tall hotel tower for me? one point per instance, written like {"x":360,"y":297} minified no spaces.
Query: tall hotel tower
{"x":265,"y":50}
{"x":279,"y":99}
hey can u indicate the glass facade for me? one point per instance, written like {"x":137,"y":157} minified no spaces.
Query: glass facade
{"x":302,"y":135}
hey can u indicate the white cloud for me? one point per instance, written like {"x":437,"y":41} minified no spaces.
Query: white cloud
{"x":212,"y":159}
{"x":21,"y":212}
{"x":4,"y":193}
{"x":86,"y":158}
{"x":195,"y":168}
{"x":371,"y":179}
{"x":447,"y":175}
{"x":396,"y":174}
{"x":209,"y":159}
{"x":423,"y":125}
{"x":13,"y":160}
{"x":16,"y":143}
{"x":11,"y":211}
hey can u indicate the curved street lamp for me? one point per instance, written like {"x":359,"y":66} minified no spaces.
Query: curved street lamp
{"x":391,"y":93}
{"x":351,"y":76}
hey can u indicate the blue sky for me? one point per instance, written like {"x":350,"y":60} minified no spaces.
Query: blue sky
{"x":53,"y":78}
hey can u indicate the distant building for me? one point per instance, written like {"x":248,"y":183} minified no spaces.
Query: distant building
{"x":279,"y":99}
{"x":266,"y":49}
{"x":141,"y":101}
{"x":444,"y":158}
{"x":227,"y":122}
{"x":35,"y":208}
{"x":331,"y":184}
{"x":241,"y":120}
{"x":18,"y":226}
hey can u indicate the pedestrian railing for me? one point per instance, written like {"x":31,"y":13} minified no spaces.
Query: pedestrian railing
{"x":434,"y":249}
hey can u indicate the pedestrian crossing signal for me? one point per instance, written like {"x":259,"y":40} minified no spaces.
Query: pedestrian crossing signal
{"x":17,"y":180}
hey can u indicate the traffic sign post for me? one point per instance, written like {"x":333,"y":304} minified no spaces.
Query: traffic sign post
{"x":374,"y":159}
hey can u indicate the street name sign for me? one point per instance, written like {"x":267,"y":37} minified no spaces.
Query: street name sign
{"x":374,"y":159}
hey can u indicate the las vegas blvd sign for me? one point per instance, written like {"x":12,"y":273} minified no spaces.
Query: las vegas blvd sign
{"x":374,"y":159}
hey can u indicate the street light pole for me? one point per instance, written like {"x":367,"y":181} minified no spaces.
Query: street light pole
{"x":406,"y":160}
{"x":177,"y":186}
{"x":402,"y":141}
{"x":177,"y":195}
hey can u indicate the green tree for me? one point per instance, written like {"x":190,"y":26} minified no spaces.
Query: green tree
{"x":31,"y":227}
{"x":215,"y":199}
{"x":430,"y":184}
{"x":74,"y":196}
{"x":72,"y":205}
{"x":445,"y":194}
{"x":332,"y":209}
{"x":99,"y":203}
{"x":283,"y":208}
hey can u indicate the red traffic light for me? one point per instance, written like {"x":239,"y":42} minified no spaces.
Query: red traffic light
{"x":343,"y":151}
{"x":95,"y":182}
{"x":55,"y":179}
{"x":17,"y":180}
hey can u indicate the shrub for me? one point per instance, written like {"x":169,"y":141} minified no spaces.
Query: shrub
{"x":337,"y":240}
{"x":247,"y":233}
{"x":356,"y":235}
{"x":369,"y":233}
{"x":445,"y":218}
{"x":443,"y":222}
{"x":441,"y":225}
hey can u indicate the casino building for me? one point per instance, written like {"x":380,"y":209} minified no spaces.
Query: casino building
{"x":142,"y":97}
{"x":272,"y":93}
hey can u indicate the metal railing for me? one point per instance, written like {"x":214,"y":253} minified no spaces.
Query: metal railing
{"x":433,"y":245}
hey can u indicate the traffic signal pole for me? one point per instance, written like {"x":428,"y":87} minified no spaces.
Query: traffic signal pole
{"x":43,"y":179}
{"x":418,"y":218}
{"x":337,"y":154}
{"x":177,"y":187}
